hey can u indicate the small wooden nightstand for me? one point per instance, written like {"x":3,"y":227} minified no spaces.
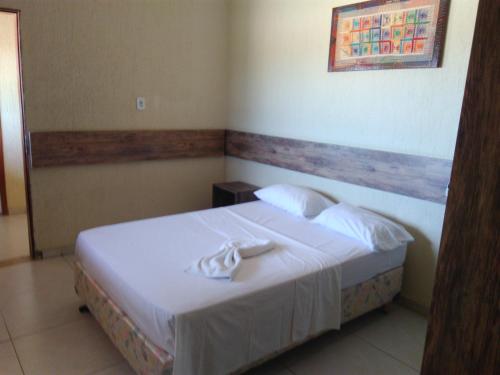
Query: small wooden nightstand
{"x":229,"y":193}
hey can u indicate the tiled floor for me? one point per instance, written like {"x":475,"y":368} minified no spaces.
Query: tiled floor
{"x":41,"y":332}
{"x":13,"y":237}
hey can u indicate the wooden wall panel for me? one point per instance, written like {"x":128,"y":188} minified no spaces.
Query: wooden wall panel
{"x":94,"y":147}
{"x":414,"y":176}
{"x":464,"y":328}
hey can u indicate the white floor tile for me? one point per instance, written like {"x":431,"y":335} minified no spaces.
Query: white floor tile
{"x":343,"y":354}
{"x":70,"y":259}
{"x":46,"y":307}
{"x":9,"y":364}
{"x":121,"y":369}
{"x":35,"y":275}
{"x":76,"y":348}
{"x":401,"y":333}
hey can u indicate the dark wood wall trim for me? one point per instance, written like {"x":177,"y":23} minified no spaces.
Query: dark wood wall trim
{"x":414,"y":176}
{"x":50,"y":149}
{"x":464,"y":328}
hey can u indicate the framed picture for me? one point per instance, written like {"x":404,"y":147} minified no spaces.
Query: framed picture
{"x":388,"y":34}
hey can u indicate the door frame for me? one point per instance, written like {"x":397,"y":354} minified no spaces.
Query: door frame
{"x":26,"y":140}
{"x":3,"y":187}
{"x":463,"y":332}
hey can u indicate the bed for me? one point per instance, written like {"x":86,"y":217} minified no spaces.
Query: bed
{"x":166,"y":321}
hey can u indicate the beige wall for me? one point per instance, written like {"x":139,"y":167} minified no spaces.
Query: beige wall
{"x":84,"y":63}
{"x":279,"y":85}
{"x":10,"y":114}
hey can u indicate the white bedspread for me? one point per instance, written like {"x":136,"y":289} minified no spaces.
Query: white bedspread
{"x":215,"y":327}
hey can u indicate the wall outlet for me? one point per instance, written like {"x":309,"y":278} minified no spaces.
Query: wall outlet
{"x":141,"y":103}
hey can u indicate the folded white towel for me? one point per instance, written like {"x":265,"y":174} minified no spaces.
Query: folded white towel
{"x":225,"y":263}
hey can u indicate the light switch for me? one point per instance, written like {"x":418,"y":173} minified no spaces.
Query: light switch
{"x":141,"y":103}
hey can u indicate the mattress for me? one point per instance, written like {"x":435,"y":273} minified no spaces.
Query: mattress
{"x":141,"y":264}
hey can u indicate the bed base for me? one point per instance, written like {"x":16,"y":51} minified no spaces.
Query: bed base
{"x":146,"y":358}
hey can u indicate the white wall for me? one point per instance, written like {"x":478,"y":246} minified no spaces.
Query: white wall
{"x":279,"y":85}
{"x":10,"y":114}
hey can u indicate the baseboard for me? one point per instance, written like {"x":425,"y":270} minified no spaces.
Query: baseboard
{"x":414,"y":306}
{"x":17,"y":211}
{"x":56,"y":252}
{"x":12,"y":261}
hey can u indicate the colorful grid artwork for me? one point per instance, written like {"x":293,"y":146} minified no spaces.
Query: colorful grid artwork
{"x":399,"y":28}
{"x":382,"y":34}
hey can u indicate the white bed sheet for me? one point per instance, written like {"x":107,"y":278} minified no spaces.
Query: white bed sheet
{"x":141,"y":266}
{"x":358,"y":262}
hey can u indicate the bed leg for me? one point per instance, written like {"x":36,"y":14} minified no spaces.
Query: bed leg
{"x":83,"y":309}
{"x":387,"y":308}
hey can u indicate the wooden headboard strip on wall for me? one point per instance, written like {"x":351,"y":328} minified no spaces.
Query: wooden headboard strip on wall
{"x":50,"y":149}
{"x":414,"y":176}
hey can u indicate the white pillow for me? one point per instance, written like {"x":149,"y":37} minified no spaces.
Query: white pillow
{"x":375,"y":231}
{"x":294,"y":199}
